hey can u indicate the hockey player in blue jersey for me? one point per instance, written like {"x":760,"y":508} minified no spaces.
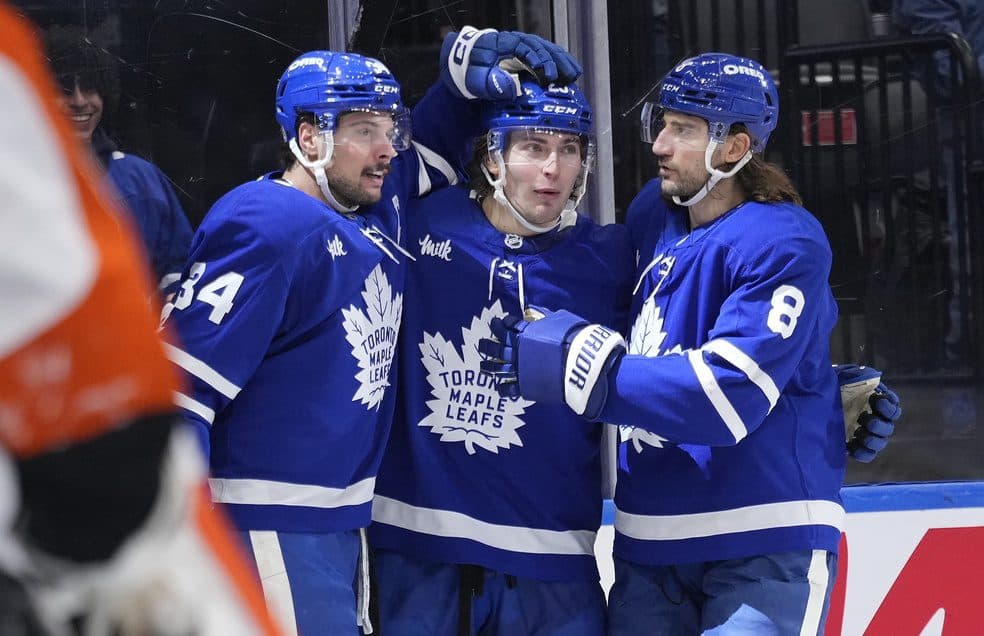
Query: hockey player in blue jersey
{"x":728,"y":510}
{"x":291,"y":303}
{"x":486,"y":507}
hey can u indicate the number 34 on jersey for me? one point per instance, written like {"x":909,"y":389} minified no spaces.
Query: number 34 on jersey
{"x":220,"y":293}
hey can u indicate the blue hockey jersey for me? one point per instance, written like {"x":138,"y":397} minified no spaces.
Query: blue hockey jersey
{"x":738,"y":444}
{"x":149,"y":198}
{"x":469,"y":476}
{"x":289,"y":313}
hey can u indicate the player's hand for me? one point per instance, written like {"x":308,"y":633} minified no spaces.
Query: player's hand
{"x":552,"y":357}
{"x":486,"y":64}
{"x":871,"y":410}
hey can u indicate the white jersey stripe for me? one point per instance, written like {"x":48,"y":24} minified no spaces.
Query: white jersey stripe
{"x":190,"y":404}
{"x":784,"y":514}
{"x":263,"y":492}
{"x":436,"y":161}
{"x":741,"y":361}
{"x":446,"y":523}
{"x":718,"y":399}
{"x":818,"y":577}
{"x":202,"y":371}
{"x":273,"y":578}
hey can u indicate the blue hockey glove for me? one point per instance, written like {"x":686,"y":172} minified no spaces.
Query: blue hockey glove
{"x":554,"y":357}
{"x":870,"y":410}
{"x":485,"y":64}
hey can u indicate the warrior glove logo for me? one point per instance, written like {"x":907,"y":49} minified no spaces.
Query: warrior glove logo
{"x":589,"y":351}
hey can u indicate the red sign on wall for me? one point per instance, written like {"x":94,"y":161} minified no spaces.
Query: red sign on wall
{"x":932,"y":590}
{"x":818,"y":127}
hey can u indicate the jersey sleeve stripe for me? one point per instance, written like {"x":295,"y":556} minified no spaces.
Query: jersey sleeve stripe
{"x":741,"y":361}
{"x":436,"y":161}
{"x":190,"y":404}
{"x":712,"y":390}
{"x":784,"y":514}
{"x":264,"y":492}
{"x":202,"y":371}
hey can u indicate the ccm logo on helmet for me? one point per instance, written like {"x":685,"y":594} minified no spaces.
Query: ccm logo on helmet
{"x":385,"y":88}
{"x":734,"y":69}
{"x":560,"y":110}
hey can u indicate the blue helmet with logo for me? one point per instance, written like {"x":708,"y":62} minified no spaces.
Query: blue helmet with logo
{"x":721,"y":89}
{"x":557,"y":108}
{"x":329,"y":84}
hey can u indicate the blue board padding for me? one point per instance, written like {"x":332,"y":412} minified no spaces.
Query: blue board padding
{"x":886,"y":497}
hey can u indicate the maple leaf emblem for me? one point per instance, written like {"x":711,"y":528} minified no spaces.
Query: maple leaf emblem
{"x":647,"y":334}
{"x":465,"y":406}
{"x":646,"y":338}
{"x":372,"y":336}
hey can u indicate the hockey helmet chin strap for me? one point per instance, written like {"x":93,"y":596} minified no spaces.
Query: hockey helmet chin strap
{"x":715,"y":174}
{"x":567,"y":216}
{"x":317,"y":168}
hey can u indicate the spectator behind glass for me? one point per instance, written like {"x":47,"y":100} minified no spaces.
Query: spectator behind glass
{"x":966,"y":18}
{"x":89,"y":78}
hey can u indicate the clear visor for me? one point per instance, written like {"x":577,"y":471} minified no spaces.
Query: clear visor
{"x":537,"y":146}
{"x":681,"y":129}
{"x":650,"y":122}
{"x":371,"y":127}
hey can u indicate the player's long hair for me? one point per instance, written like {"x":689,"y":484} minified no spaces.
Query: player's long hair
{"x":763,"y":181}
{"x":476,"y":179}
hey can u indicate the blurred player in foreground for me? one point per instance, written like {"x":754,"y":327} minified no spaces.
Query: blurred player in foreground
{"x":104,"y":523}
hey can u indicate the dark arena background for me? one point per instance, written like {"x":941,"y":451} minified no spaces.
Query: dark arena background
{"x":888,"y":157}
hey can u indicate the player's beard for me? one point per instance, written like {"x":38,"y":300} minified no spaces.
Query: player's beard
{"x":684,"y":185}
{"x":351,"y":194}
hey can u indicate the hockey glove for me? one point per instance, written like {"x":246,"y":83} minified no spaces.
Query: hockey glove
{"x":870,"y":410}
{"x":556,"y":358}
{"x":485,"y":64}
{"x":177,"y":573}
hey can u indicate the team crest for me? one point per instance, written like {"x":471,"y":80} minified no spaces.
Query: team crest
{"x":372,"y":336}
{"x":646,"y":339}
{"x":465,"y":406}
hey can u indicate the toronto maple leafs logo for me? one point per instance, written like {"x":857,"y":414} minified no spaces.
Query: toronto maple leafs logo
{"x":372,"y":336}
{"x":465,"y":406}
{"x":646,"y":339}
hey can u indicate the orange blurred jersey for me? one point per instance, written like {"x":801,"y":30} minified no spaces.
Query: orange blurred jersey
{"x":79,"y":350}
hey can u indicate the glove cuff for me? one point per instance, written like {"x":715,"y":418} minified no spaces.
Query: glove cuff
{"x":458,"y":57}
{"x":542,"y":353}
{"x":587,"y":363}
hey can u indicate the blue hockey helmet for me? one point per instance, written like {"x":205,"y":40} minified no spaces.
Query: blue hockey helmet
{"x":329,"y":84}
{"x":721,"y":89}
{"x":556,"y":108}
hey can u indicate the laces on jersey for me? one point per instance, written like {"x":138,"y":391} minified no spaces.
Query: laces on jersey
{"x":377,"y":236}
{"x":643,"y":275}
{"x":507,"y":270}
